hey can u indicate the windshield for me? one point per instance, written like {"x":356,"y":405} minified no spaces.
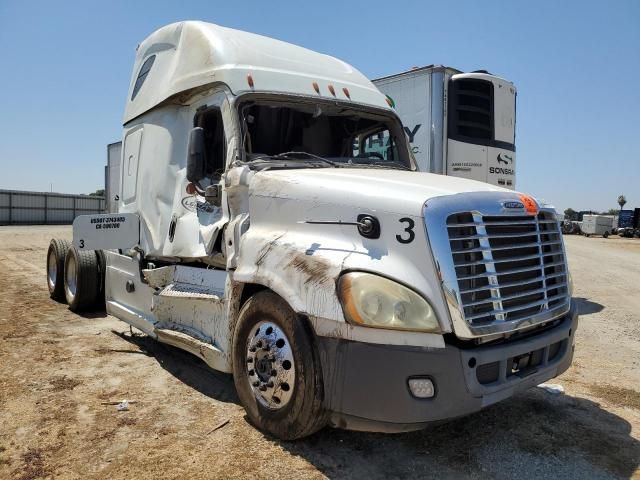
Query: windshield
{"x":289,"y":133}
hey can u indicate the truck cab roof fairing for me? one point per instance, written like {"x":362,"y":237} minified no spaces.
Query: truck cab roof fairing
{"x":194,"y":54}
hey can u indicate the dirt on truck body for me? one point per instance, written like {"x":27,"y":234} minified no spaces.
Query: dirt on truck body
{"x":61,"y":375}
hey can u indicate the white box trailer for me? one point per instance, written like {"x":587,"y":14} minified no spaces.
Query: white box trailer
{"x":597,"y":225}
{"x":458,"y":124}
{"x":258,"y":226}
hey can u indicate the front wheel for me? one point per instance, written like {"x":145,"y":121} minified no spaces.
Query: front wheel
{"x":276,"y":369}
{"x":606,"y":234}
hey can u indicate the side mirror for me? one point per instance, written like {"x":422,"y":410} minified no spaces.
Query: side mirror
{"x":196,"y":160}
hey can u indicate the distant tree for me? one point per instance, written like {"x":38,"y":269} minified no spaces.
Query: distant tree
{"x":570,"y":214}
{"x":611,"y":211}
{"x":98,"y":193}
{"x":621,"y":201}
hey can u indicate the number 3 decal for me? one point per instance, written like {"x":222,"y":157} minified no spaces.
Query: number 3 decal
{"x":409,"y":229}
{"x":81,"y":243}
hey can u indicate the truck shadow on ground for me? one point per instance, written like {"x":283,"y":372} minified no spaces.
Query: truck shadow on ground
{"x":587,"y":307}
{"x":532,"y":434}
{"x":187,"y":368}
{"x":93,"y":314}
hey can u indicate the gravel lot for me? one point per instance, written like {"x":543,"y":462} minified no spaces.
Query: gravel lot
{"x":57,"y":368}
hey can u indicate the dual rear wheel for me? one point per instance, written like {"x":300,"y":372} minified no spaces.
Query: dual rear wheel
{"x":75,"y":276}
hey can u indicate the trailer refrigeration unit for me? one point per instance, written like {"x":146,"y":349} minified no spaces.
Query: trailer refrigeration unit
{"x":258,"y":226}
{"x":458,"y":124}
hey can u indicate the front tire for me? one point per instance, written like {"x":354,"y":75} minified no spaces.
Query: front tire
{"x":81,"y":278}
{"x":276,"y":369}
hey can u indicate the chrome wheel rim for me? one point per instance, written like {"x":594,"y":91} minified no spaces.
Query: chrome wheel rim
{"x":52,"y":270}
{"x":71,"y":283}
{"x":271,"y":371}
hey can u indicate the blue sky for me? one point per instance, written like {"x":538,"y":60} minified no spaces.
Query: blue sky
{"x":66,"y":66}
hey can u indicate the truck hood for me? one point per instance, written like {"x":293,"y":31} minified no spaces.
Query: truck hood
{"x":394,"y":191}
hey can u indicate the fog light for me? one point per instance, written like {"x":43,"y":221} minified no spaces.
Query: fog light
{"x":421,"y":387}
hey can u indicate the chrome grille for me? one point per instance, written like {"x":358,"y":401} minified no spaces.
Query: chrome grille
{"x":508,"y":267}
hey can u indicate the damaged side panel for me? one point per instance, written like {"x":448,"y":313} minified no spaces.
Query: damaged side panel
{"x":191,"y":301}
{"x":188,"y":309}
{"x":303,"y":262}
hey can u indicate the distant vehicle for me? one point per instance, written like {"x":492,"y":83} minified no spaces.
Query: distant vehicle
{"x":628,"y":232}
{"x":597,"y":225}
{"x":458,"y":124}
{"x":571,"y":227}
{"x":625,"y":219}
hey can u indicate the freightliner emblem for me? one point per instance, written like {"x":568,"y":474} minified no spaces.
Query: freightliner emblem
{"x":512,"y":205}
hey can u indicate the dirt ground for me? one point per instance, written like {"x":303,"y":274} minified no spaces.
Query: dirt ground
{"x":57,"y":368}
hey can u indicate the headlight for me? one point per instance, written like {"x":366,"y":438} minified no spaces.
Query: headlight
{"x":374,"y":301}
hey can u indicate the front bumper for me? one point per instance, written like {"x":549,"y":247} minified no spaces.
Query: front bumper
{"x":366,"y":384}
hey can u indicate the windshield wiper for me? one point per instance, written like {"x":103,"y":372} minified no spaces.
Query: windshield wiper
{"x":392,"y":165}
{"x":291,"y":156}
{"x":267,"y":162}
{"x":396,"y":165}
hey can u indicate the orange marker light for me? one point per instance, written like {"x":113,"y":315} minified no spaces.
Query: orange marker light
{"x":250,"y":80}
{"x":530,"y":205}
{"x":332,"y":90}
{"x":316,"y":87}
{"x":191,"y":188}
{"x":346,"y":92}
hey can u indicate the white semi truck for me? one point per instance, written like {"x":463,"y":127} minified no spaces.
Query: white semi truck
{"x":259,"y":228}
{"x":458,"y":124}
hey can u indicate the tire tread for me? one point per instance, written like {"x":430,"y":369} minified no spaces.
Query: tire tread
{"x":59,"y":248}
{"x":88,"y":279}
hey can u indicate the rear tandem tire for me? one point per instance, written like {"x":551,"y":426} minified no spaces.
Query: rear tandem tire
{"x":81,"y":278}
{"x":55,"y":268}
{"x":606,"y":234}
{"x":300,"y":412}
